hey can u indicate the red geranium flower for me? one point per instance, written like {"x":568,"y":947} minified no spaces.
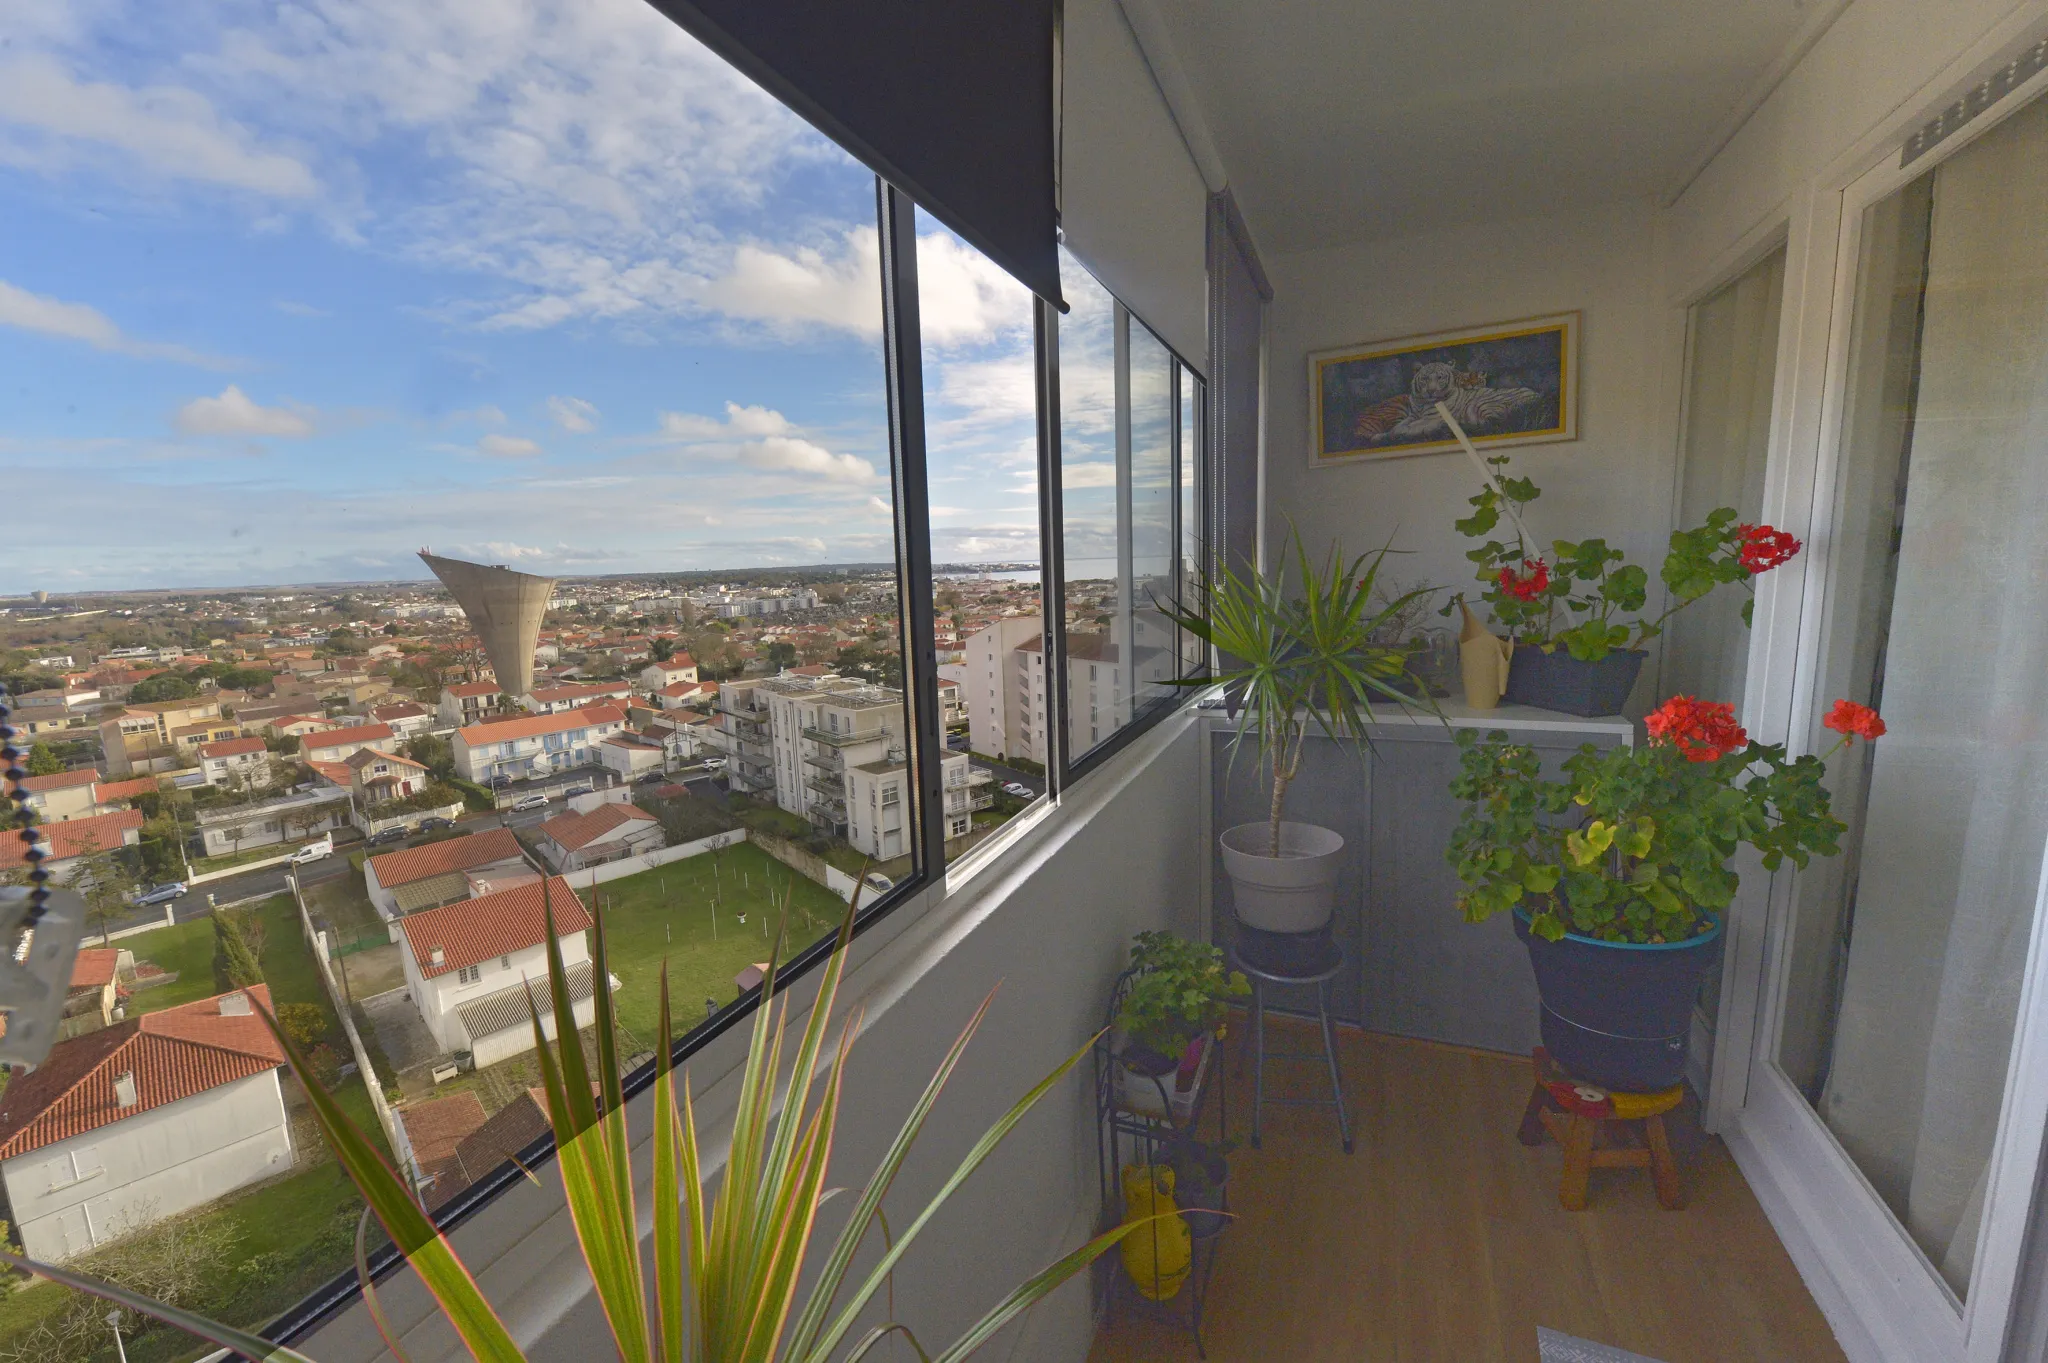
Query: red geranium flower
{"x":1531,"y":583}
{"x":1764,"y":548}
{"x":1854,"y":721}
{"x":1700,"y":729}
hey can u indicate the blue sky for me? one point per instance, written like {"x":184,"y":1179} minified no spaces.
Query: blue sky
{"x":288,"y":292}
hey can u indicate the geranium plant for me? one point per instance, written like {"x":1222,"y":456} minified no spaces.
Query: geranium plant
{"x":1180,"y":991}
{"x":1634,"y":844}
{"x":1579,"y":595}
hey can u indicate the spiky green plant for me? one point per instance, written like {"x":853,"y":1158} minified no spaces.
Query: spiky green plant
{"x":1293,"y":661}
{"x":725,"y":1270}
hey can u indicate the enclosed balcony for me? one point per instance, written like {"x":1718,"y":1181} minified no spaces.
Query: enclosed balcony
{"x":1630,"y":950}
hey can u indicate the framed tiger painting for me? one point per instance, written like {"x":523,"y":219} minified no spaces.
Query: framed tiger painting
{"x":1514,"y":383}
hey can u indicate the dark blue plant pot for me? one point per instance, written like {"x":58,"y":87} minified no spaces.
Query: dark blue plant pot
{"x":1619,"y":1014}
{"x":1558,"y":681}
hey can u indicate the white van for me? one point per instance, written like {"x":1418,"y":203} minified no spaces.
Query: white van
{"x":314,"y":851}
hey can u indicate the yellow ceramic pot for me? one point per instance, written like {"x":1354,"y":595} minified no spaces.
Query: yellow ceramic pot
{"x":1157,"y":1254}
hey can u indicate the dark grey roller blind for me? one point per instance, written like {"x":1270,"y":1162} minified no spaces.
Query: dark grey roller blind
{"x":951,"y":101}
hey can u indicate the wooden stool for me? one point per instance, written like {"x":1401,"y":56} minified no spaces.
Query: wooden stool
{"x":1577,"y":1114}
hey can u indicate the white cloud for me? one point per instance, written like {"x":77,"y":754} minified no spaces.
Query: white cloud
{"x":791,"y":454}
{"x":82,"y":322}
{"x":573,"y":414}
{"x":1087,"y":475}
{"x":740,"y":422}
{"x":963,"y":296}
{"x":293,"y":308}
{"x":507,"y":446}
{"x":842,"y":289}
{"x":235,"y":413}
{"x":486,"y":415}
{"x":51,"y":118}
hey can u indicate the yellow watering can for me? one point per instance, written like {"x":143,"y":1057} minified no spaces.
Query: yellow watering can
{"x":1158,"y":1255}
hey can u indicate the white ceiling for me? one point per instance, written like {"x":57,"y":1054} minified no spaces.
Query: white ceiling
{"x":1346,"y":120}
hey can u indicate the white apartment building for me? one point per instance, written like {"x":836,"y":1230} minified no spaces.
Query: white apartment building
{"x":1005,"y":681}
{"x":819,"y":728}
{"x":536,"y":745}
{"x":743,"y":737}
{"x":468,"y":702}
{"x":877,"y":796}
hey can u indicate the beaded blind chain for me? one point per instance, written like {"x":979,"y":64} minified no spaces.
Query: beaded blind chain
{"x":39,"y":894}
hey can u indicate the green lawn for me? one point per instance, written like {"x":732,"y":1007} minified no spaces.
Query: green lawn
{"x":670,"y":911}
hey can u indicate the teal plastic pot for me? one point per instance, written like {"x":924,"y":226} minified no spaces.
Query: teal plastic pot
{"x":1619,"y":1014}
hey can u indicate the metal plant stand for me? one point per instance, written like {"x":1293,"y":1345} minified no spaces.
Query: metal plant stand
{"x":1136,"y":1127}
{"x":1323,"y":964}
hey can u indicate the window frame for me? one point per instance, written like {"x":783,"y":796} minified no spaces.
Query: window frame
{"x":926,"y":830}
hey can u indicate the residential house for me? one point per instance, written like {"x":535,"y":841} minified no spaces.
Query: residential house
{"x":338,"y":745}
{"x":632,"y":755}
{"x":423,"y":877}
{"x":188,"y":739}
{"x":404,"y":718}
{"x":467,"y":702}
{"x":433,"y":1130}
{"x":477,"y":968}
{"x":137,"y":740}
{"x":302,"y":726}
{"x":536,"y":745}
{"x":111,"y":795}
{"x":679,"y":668}
{"x":377,"y":777}
{"x":238,"y":763}
{"x":95,"y":992}
{"x":609,"y":832}
{"x":679,"y":694}
{"x":287,"y":818}
{"x":63,"y":795}
{"x":146,"y":1118}
{"x":551,"y":700}
{"x":55,"y":703}
{"x":66,"y":845}
{"x":503,"y":1136}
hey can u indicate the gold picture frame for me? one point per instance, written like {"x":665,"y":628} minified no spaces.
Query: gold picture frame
{"x":1510,"y":383}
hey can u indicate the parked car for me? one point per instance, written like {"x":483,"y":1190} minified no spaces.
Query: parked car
{"x":434,"y":822}
{"x":878,"y":882}
{"x":714,"y":764}
{"x":314,"y":851}
{"x":1019,"y":790}
{"x":531,"y":802}
{"x":574,"y":791}
{"x":648,"y":778}
{"x":161,"y":894}
{"x":384,"y":837}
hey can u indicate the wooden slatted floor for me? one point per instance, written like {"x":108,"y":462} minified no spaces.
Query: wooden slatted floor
{"x":1441,"y":1240}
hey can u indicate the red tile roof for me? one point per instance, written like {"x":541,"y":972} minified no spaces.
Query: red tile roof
{"x":574,"y":832}
{"x":480,"y":688}
{"x":126,"y":790}
{"x":533,"y":726}
{"x":366,"y":756}
{"x":439,"y":858}
{"x":334,"y":738}
{"x":93,"y":967}
{"x":434,"y":1128}
{"x":231,"y":747}
{"x":174,"y":1054}
{"x":62,"y":780}
{"x":74,"y":837}
{"x":471,"y":931}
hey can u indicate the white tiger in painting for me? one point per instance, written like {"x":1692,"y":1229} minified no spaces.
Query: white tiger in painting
{"x":1414,"y":416}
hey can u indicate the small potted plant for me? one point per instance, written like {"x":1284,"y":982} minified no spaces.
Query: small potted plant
{"x":1291,"y":663}
{"x":1565,"y":611}
{"x":1201,"y":1174}
{"x":1618,"y":872}
{"x":1177,"y":997}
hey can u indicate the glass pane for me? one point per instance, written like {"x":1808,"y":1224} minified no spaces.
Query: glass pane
{"x":1909,"y":949}
{"x":568,"y":296}
{"x":1094,"y":487}
{"x":981,"y":437}
{"x":1193,"y":530}
{"x":1731,"y":372}
{"x":1146,"y":587}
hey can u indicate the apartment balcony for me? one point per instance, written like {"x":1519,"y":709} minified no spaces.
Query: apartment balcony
{"x":830,"y":787}
{"x":833,"y":739}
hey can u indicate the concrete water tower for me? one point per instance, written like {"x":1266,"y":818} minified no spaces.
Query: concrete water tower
{"x":504,"y":608}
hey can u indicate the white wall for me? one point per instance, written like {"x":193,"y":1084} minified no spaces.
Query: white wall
{"x":439,"y":997}
{"x":1133,"y":205}
{"x":178,"y":1156}
{"x":1614,"y":481}
{"x":1051,"y":923}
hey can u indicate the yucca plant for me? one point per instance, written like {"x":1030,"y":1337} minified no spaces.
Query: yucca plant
{"x":725,"y":1270}
{"x":1300,"y":659}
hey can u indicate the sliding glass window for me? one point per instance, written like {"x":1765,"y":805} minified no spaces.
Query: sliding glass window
{"x":1130,"y":500}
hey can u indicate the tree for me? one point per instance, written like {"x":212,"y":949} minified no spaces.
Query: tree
{"x":285,"y":745}
{"x":304,"y":1023}
{"x":662,"y":649}
{"x":163,"y":686}
{"x":105,"y":881}
{"x":43,"y":762}
{"x":234,"y":964}
{"x":436,"y":754}
{"x":781,"y":653}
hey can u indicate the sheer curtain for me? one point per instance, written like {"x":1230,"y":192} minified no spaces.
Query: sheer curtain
{"x":1731,"y":370}
{"x":1937,"y":912}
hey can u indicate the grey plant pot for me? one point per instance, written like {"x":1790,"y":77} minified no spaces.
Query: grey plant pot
{"x":1294,"y":892}
{"x":1558,"y":681}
